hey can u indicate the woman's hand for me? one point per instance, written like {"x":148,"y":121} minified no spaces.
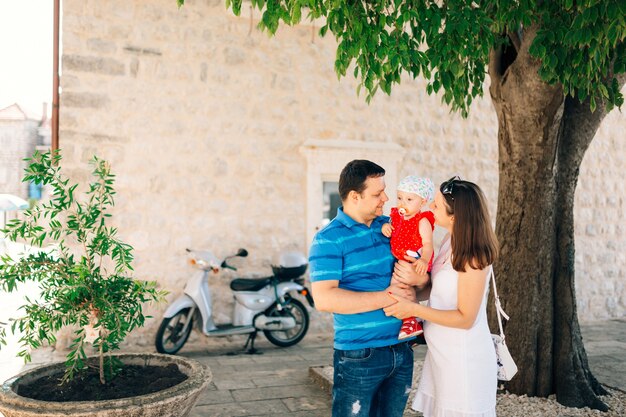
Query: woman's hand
{"x":402,"y":309}
{"x":401,"y":290}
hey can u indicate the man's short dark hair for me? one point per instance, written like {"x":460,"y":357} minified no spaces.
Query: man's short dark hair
{"x":354,"y":175}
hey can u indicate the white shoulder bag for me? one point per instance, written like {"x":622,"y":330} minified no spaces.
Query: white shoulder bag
{"x":506,"y":365}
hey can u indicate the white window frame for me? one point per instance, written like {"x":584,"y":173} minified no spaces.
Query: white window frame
{"x":326,"y":158}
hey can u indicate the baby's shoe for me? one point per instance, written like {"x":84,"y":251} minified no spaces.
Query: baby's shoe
{"x":410,"y":327}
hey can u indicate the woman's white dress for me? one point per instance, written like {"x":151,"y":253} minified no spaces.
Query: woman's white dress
{"x":459,"y":374}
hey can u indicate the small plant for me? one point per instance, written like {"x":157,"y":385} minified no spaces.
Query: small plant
{"x":85,"y":280}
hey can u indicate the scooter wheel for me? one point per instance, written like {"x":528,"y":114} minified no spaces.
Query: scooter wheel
{"x":290,"y":337}
{"x":172,"y":335}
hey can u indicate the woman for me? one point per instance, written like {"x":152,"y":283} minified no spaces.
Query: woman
{"x":459,"y":374}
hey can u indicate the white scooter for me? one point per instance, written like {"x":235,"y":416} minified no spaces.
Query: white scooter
{"x":260,"y":304}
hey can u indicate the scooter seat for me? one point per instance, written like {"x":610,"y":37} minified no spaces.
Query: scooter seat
{"x":248,"y":284}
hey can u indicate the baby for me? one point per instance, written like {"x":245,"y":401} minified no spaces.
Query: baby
{"x":411,"y":233}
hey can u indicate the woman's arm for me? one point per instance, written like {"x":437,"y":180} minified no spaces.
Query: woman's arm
{"x":471,"y":290}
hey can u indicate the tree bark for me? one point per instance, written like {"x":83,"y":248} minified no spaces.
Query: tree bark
{"x":575,"y":384}
{"x":542,"y":139}
{"x":101,"y":360}
{"x":529,"y":114}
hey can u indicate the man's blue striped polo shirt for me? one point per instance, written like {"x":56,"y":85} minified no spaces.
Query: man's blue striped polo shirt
{"x":360,"y":258}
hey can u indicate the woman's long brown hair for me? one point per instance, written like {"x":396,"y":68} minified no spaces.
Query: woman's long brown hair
{"x":474,"y":242}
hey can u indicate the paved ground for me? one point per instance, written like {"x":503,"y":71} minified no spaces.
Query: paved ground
{"x":277,"y":382}
{"x":605,"y":343}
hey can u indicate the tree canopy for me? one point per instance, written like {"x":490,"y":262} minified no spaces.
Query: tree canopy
{"x":580,"y":44}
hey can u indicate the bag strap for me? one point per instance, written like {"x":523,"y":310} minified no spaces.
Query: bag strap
{"x":499,"y":311}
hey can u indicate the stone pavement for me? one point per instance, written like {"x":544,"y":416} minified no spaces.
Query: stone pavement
{"x":277,"y":383}
{"x":605,"y":344}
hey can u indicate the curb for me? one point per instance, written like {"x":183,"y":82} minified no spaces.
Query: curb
{"x":320,"y":377}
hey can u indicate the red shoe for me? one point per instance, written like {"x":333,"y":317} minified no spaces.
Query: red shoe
{"x":410,"y":327}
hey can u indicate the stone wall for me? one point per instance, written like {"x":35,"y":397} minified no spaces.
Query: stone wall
{"x":202,"y":118}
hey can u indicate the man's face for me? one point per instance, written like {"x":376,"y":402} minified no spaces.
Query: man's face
{"x":372,"y":199}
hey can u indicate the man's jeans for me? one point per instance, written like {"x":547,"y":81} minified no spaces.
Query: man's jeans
{"x":372,"y":382}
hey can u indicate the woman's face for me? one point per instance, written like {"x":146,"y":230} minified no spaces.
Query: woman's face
{"x":439,"y":209}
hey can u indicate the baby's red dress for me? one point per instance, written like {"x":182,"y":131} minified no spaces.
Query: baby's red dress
{"x":406,"y":233}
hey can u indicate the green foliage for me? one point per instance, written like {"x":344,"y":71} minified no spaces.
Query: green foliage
{"x":580,"y":44}
{"x":84,"y":281}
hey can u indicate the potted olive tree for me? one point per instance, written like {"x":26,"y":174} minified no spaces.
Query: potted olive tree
{"x":86,"y":282}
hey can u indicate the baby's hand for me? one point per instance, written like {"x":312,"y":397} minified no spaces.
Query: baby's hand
{"x":421,"y":266}
{"x":387,"y":229}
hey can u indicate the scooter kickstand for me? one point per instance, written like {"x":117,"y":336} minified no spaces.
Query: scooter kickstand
{"x":252,"y":350}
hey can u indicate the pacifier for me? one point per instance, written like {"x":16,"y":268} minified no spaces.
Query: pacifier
{"x":403,"y":211}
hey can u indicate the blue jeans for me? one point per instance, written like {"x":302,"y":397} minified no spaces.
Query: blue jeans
{"x":372,"y":382}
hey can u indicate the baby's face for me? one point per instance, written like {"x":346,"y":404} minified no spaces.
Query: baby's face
{"x":410,"y":202}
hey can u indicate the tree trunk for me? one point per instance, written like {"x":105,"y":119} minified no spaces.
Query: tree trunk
{"x":101,"y":360}
{"x":542,"y":140}
{"x":529,"y":114}
{"x":575,"y":385}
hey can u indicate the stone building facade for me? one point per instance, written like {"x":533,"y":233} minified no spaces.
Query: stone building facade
{"x":222,"y":137}
{"x":21,"y":134}
{"x":18,"y":140}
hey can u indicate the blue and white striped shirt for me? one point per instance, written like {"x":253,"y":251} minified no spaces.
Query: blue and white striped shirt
{"x":360,"y":258}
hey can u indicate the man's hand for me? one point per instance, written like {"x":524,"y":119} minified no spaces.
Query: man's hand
{"x":399,"y":284}
{"x":387,"y":229}
{"x":404,"y":272}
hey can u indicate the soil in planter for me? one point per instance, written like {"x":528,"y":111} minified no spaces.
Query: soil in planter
{"x":133,"y":380}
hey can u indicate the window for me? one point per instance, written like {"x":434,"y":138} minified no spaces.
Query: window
{"x":331,"y":201}
{"x":325,"y":160}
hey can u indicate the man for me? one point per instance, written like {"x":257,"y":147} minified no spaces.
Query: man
{"x":351,"y":269}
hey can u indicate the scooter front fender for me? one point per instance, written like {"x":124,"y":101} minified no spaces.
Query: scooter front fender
{"x":182,"y":302}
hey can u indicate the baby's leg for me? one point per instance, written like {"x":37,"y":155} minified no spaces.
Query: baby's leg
{"x":410,"y":327}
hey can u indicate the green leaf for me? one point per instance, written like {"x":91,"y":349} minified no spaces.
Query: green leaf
{"x":592,"y":104}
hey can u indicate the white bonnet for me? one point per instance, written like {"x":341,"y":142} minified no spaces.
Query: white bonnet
{"x":423,"y":187}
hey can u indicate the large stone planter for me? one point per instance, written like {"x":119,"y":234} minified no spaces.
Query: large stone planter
{"x":176,"y":401}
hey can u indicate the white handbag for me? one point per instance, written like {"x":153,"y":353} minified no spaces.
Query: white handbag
{"x":506,"y":365}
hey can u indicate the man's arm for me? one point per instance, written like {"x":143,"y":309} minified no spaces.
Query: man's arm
{"x":330,"y":298}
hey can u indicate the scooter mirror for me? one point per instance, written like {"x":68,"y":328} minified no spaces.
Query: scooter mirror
{"x":242,"y":252}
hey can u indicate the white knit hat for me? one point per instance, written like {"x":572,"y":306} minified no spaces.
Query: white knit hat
{"x":423,"y":187}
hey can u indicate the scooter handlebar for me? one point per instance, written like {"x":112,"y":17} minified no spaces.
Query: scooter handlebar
{"x":226,"y":266}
